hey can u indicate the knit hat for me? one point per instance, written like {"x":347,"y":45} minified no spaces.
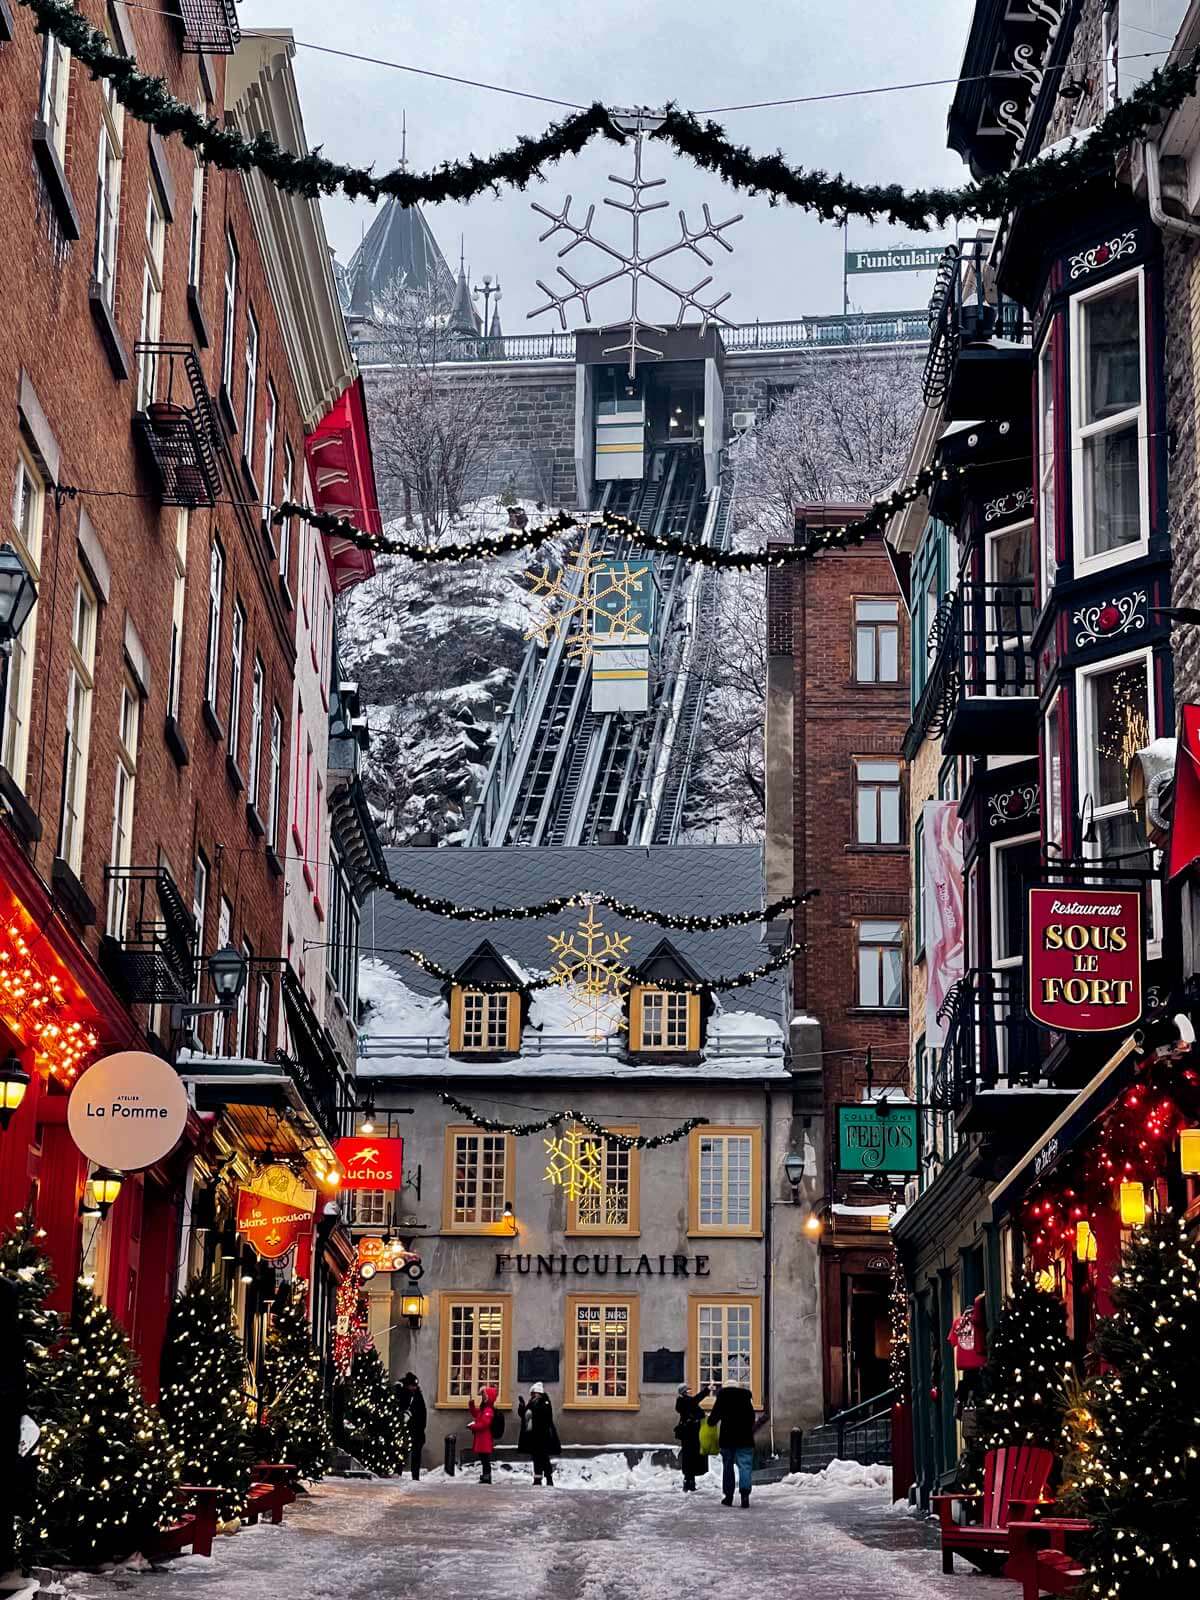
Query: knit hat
{"x":537,"y":1388}
{"x":683,"y":1389}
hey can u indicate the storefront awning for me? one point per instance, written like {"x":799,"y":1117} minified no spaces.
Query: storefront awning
{"x":1184,"y":849}
{"x":342,"y":477}
{"x":1064,"y":1132}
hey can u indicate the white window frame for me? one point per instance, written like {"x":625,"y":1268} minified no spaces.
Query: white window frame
{"x":1084,"y":564}
{"x":250,"y":392}
{"x":1001,"y":1001}
{"x":1111,"y":55}
{"x":178,"y":603}
{"x":254,"y":756}
{"x":860,"y":945}
{"x":285,"y":527}
{"x":109,"y":160}
{"x":150,"y":325}
{"x":262,"y":1017}
{"x":81,"y":688}
{"x":274,"y":777}
{"x":229,"y":315}
{"x":129,"y":721}
{"x":270,"y":425}
{"x":877,"y":786}
{"x":196,"y":226}
{"x":876,"y":625}
{"x":54,"y":93}
{"x":1047,"y":464}
{"x":1088,"y":740}
{"x":199,"y":909}
{"x":212,"y":649}
{"x":1053,"y":822}
{"x":237,"y":652}
{"x":243,"y":1002}
{"x":27,"y":522}
{"x":1002,"y":645}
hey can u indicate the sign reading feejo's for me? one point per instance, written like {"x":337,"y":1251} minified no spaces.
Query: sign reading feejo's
{"x":874,"y":1141}
{"x":1085,"y":958}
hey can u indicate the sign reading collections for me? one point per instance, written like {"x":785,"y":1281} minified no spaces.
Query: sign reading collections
{"x":1085,"y":958}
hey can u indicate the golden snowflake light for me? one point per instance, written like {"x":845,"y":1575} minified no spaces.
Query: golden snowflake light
{"x":589,"y":599}
{"x":589,"y":966}
{"x":574,"y":1164}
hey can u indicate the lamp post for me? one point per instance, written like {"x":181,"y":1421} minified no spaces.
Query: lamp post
{"x":793,"y":1171}
{"x":227,"y":974}
{"x":18,"y":596}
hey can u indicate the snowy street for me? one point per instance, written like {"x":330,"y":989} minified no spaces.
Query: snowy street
{"x":456,"y":1539}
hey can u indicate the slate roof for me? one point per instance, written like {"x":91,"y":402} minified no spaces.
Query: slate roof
{"x":398,"y":246}
{"x":696,"y":879}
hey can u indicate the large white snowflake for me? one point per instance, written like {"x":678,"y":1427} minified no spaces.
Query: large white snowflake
{"x":591,"y":598}
{"x":638,"y":265}
{"x":589,"y":966}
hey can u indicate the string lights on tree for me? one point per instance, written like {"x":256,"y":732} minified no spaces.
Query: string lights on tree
{"x":293,"y":1422}
{"x":370,"y":1422}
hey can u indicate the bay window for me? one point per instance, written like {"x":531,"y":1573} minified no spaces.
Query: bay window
{"x":1108,"y":423}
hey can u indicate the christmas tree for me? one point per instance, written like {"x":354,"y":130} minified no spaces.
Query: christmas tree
{"x":374,"y":1429}
{"x":106,"y":1472}
{"x":1139,"y":1482}
{"x":294,"y":1425}
{"x":203,"y":1401}
{"x":1023,"y":1397}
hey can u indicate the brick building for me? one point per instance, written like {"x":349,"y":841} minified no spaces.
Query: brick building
{"x":837,"y":707}
{"x":171,"y":350}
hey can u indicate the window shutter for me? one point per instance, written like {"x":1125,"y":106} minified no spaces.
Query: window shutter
{"x":456,"y":1018}
{"x":635,"y":1018}
{"x":513,"y":1040}
{"x":693,"y":1022}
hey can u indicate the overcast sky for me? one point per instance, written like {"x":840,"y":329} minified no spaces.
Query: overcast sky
{"x":700,"y":53}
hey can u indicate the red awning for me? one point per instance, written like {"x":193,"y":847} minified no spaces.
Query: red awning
{"x":1184,"y":849}
{"x":342,"y":475}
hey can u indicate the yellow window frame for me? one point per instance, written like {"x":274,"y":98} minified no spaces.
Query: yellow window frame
{"x":750,"y":1230}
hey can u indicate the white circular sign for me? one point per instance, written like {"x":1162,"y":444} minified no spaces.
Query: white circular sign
{"x":128,"y":1110}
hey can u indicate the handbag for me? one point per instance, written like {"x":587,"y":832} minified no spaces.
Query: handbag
{"x":710,"y":1436}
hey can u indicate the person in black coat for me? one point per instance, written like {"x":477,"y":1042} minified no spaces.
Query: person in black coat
{"x":539,"y":1436}
{"x":12,"y":1408}
{"x":734,"y":1414}
{"x":693,"y":1463}
{"x":414,"y":1409}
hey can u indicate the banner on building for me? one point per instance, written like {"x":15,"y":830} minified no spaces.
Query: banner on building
{"x":368,"y":1162}
{"x":941,"y":891}
{"x":275,"y":1210}
{"x":1084,"y":958}
{"x":898,"y":258}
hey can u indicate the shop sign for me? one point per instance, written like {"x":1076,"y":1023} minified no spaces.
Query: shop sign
{"x":600,"y":1265}
{"x":1085,"y":958}
{"x":272,"y":1226}
{"x":128,"y":1110}
{"x":370,"y":1163}
{"x":896,"y":258}
{"x":389,"y":1255}
{"x":870,"y":1140}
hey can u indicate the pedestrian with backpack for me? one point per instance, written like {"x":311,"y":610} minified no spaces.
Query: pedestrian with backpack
{"x":539,"y":1436}
{"x":486,"y":1425}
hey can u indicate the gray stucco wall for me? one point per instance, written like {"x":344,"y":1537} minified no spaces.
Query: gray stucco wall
{"x":783,"y":1274}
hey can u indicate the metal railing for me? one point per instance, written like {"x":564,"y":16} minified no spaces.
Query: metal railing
{"x":864,"y":1431}
{"x":534,"y":1044}
{"x":991,"y":1043}
{"x":965,"y":309}
{"x":149,"y":952}
{"x":979,"y":649}
{"x":177,"y":422}
{"x":797,"y":333}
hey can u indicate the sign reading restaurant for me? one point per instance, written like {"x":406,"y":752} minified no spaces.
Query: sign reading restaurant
{"x":1085,"y":958}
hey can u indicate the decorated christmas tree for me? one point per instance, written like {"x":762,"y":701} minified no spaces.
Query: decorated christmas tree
{"x":203,"y":1400}
{"x":294,"y":1423}
{"x":106,"y":1472}
{"x":1023,"y":1397}
{"x":371,"y":1426}
{"x":1139,"y":1482}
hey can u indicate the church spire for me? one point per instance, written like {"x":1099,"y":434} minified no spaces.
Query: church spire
{"x":463,"y":316}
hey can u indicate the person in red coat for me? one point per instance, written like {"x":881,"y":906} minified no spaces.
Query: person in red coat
{"x":482,"y":1417}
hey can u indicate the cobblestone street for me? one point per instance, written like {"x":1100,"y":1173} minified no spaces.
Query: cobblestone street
{"x":457,"y":1540}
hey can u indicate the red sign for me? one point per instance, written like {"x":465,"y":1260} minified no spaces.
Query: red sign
{"x":370,"y":1163}
{"x":272,"y":1226}
{"x":1085,"y":958}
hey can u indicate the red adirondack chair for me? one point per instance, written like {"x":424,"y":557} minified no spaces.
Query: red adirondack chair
{"x":1045,"y":1557}
{"x":1014,"y":1480}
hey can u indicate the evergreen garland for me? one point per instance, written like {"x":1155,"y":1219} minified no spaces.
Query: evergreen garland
{"x":374,"y":1423}
{"x":1139,"y":1480}
{"x":150,"y":100}
{"x":294,"y":1421}
{"x":203,"y":1402}
{"x":523,"y":1130}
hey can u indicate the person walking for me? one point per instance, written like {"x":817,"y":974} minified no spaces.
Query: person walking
{"x":413,"y":1402}
{"x":733,"y":1413}
{"x":482,"y":1417}
{"x":538,"y":1435}
{"x":693,"y":1463}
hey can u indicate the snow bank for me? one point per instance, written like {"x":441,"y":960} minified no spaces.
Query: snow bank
{"x":609,"y":1473}
{"x":839,"y":1477}
{"x":396,"y":1011}
{"x":743,"y":1025}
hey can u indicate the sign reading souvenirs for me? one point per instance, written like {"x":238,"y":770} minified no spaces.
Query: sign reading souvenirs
{"x":128,"y":1110}
{"x":617,"y":1266}
{"x":901,"y":258}
{"x":1085,"y":958}
{"x":275,"y":1210}
{"x":870,"y":1140}
{"x":370,"y":1163}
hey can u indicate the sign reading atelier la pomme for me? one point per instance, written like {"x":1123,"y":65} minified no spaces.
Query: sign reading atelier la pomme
{"x":128,"y":1110}
{"x":1085,"y":958}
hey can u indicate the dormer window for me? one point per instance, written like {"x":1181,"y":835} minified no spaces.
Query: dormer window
{"x":664,"y":1020}
{"x":484,"y":1022}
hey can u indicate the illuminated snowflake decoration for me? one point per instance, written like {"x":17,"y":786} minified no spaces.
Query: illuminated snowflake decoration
{"x":589,"y":965}
{"x":590,"y":600}
{"x":638,"y":265}
{"x":574,"y":1163}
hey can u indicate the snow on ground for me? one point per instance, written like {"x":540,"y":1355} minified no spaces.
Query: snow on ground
{"x":839,"y":1477}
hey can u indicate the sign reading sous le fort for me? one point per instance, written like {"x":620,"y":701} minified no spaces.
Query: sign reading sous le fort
{"x":598,"y":1264}
{"x":1085,"y":958}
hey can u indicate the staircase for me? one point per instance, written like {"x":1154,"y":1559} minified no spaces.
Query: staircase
{"x":862,"y":1433}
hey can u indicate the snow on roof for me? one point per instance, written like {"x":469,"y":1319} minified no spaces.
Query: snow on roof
{"x":603,"y":1069}
{"x":1063,"y":147}
{"x":957,"y":427}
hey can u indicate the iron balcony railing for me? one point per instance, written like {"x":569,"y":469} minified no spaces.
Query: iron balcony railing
{"x":535,"y":1043}
{"x":210,"y":26}
{"x":991,"y":1043}
{"x":798,"y":333}
{"x":979,"y":649}
{"x":177,"y":423}
{"x":149,"y":949}
{"x":964,"y":309}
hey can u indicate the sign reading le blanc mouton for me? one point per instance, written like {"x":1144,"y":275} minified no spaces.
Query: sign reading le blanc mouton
{"x":128,"y":1110}
{"x":871,"y":1141}
{"x":1085,"y":958}
{"x":370,"y":1163}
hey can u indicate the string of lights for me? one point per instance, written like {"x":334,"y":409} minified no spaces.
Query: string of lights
{"x":681,"y":922}
{"x":524,"y":1130}
{"x":149,"y":99}
{"x":701,"y":986}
